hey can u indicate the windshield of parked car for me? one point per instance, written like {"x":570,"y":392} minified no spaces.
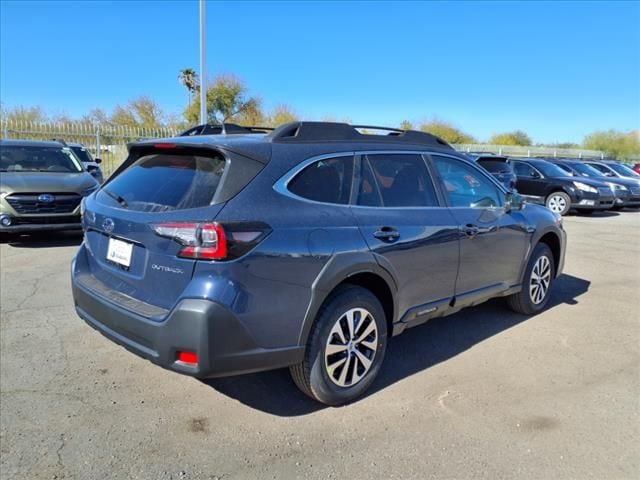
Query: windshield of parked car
{"x":15,"y":158}
{"x":586,"y":170}
{"x":83,"y":154}
{"x":622,"y":170}
{"x":550,"y":170}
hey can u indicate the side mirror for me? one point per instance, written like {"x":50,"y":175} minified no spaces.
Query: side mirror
{"x":97,"y":160}
{"x":513,"y":201}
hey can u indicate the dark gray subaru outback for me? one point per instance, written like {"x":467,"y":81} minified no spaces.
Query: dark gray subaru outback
{"x":306,"y":248}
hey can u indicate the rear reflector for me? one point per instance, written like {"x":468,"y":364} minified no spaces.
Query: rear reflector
{"x":188,"y":357}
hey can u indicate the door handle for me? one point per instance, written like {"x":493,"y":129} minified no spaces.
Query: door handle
{"x":387,"y":234}
{"x":472,"y":230}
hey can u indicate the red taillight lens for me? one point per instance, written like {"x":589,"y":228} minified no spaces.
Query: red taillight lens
{"x":206,"y":241}
{"x":188,"y":357}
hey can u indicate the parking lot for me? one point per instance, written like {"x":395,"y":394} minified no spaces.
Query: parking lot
{"x":485,"y":393}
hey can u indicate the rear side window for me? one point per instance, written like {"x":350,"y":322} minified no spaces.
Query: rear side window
{"x":395,"y":180}
{"x":327,"y":181}
{"x":161,"y":182}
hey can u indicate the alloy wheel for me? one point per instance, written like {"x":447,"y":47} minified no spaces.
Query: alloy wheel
{"x":557,"y":204}
{"x":351,"y":347}
{"x":540,"y":280}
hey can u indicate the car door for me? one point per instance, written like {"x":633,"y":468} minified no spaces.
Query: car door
{"x":493,"y":241}
{"x":530,"y":181}
{"x":403,"y":223}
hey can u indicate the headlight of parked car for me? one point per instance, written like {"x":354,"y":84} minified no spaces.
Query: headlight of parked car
{"x":585,"y":188}
{"x":89,"y":191}
{"x":615,"y":186}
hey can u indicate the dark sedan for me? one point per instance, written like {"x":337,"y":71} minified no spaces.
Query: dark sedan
{"x":626,"y":190}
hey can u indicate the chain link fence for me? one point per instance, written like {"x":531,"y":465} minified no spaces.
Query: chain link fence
{"x":105,"y":141}
{"x":109,"y":142}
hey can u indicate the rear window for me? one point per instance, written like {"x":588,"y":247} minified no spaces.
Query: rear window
{"x":495,"y":166}
{"x":161,"y":182}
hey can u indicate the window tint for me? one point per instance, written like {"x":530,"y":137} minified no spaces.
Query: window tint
{"x":523,"y":170}
{"x":465,"y":186}
{"x":82,"y":153}
{"x":495,"y":166}
{"x":169,"y":182}
{"x":16,"y":158}
{"x":565,"y":169}
{"x":395,"y":180}
{"x":326,"y":181}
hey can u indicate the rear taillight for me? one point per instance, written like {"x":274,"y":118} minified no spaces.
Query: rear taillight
{"x":212,"y":241}
{"x":206,"y":241}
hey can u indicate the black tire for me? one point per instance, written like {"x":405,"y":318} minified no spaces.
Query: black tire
{"x":311,"y":375}
{"x":558,"y":197}
{"x":522,"y":302}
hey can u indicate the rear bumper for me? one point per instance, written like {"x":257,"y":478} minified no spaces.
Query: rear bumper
{"x":222,"y":343}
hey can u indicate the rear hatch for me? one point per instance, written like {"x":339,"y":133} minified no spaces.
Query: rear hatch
{"x":131,"y":257}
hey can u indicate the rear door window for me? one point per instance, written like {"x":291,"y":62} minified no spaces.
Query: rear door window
{"x":395,"y":180}
{"x":327,"y":181}
{"x":161,"y":182}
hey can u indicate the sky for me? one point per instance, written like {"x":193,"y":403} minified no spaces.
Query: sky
{"x":557,"y":70}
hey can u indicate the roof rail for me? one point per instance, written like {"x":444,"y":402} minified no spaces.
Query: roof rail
{"x":59,"y":140}
{"x":332,"y":131}
{"x":223,"y":129}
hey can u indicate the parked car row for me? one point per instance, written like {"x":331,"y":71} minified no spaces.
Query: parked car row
{"x":565,"y":184}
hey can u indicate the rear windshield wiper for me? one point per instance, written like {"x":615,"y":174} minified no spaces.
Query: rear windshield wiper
{"x":116,"y":197}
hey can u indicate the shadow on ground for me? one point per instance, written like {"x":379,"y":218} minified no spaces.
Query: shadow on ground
{"x":413,"y":351}
{"x":596,"y":214}
{"x":43,"y":239}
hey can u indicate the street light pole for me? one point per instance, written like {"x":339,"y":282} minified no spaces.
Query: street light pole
{"x":203,"y":69}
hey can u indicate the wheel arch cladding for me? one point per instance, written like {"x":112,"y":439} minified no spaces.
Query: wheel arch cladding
{"x":356,"y":269}
{"x":553,"y":242}
{"x":379,"y":287}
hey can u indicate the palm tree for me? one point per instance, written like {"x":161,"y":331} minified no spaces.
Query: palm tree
{"x":189,"y":79}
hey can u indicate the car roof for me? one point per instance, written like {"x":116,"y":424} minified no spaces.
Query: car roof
{"x":31,"y":143}
{"x":313,"y":138}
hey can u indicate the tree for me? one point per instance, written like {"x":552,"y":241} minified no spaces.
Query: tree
{"x":446,"y":131}
{"x":616,"y":144}
{"x":23,"y":114}
{"x":227,"y":100}
{"x":140,"y":112}
{"x":517,"y":137}
{"x":280,"y":115}
{"x":189,"y":79}
{"x":406,"y":125}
